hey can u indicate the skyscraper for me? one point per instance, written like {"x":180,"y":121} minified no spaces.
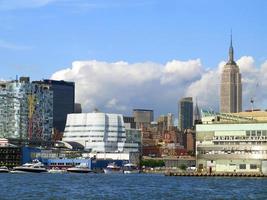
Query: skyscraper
{"x":63,"y":102}
{"x":186,"y":113}
{"x":26,"y":110}
{"x":231,"y":86}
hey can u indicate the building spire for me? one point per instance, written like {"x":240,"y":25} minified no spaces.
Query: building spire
{"x":231,"y":51}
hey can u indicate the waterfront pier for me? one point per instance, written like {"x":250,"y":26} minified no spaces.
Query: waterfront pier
{"x":225,"y":174}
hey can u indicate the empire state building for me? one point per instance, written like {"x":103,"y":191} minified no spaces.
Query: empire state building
{"x":231,"y":86}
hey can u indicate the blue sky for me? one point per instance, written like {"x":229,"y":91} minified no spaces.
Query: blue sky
{"x":171,"y":48}
{"x":39,"y":37}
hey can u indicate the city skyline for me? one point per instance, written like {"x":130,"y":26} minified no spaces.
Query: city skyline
{"x":121,"y":54}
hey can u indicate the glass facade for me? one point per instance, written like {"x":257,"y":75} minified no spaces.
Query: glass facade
{"x":26,"y":111}
{"x":186,"y":113}
{"x":63,"y":102}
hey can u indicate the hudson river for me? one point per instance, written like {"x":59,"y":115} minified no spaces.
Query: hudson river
{"x":139,"y":186}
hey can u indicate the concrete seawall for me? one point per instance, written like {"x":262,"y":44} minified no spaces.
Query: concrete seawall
{"x":215,"y":174}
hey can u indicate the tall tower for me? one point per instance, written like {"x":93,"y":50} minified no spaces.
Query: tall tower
{"x":185,"y":109}
{"x":231,"y":86}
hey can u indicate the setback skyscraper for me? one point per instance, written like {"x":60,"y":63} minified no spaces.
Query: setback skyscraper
{"x":231,"y":86}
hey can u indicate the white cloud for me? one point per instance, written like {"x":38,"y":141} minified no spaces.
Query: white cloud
{"x":114,"y":104}
{"x":179,"y":71}
{"x":206,"y":89}
{"x":121,"y":86}
{"x":111,"y":86}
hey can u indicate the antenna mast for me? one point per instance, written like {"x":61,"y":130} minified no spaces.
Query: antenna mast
{"x":252,"y":100}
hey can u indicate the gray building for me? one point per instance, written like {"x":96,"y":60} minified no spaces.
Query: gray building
{"x":143,"y":117}
{"x":63,"y":102}
{"x":231,"y":86}
{"x":185,"y":113}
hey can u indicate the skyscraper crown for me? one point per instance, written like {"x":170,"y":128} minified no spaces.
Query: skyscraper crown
{"x":231,"y":53}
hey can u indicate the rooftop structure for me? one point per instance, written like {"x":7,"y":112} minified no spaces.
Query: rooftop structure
{"x":209,"y":117}
{"x":143,"y":117}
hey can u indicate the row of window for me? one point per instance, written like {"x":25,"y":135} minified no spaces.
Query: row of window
{"x":91,"y":136}
{"x":241,"y":143}
{"x":95,"y":125}
{"x":256,"y":133}
{"x":240,"y":138}
{"x":65,"y":164}
{"x":251,"y":166}
{"x":100,"y":131}
{"x":234,"y":152}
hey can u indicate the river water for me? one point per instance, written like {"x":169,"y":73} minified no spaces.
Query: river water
{"x":132,"y":186}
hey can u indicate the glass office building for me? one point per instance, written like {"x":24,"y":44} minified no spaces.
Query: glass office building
{"x":63,"y":102}
{"x":26,"y":110}
{"x":185,"y":113}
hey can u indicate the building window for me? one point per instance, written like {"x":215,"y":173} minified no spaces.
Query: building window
{"x":253,"y":166}
{"x":264,"y":133}
{"x":253,"y":133}
{"x":242,"y":166}
{"x":247,"y":133}
{"x":258,"y":133}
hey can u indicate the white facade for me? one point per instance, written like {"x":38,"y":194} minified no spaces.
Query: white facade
{"x":98,"y":132}
{"x":232,"y":147}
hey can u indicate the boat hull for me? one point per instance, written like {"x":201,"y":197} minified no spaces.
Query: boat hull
{"x":56,"y":171}
{"x":108,"y":171}
{"x":78,"y":170}
{"x":28,"y":170}
{"x":4,"y":171}
{"x":131,"y":171}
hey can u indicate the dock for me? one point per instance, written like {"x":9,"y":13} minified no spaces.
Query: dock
{"x":223,"y":174}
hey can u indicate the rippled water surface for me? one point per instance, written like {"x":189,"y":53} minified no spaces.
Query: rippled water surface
{"x":138,"y":186}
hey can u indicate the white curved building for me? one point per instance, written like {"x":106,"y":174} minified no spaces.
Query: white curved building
{"x":98,"y":132}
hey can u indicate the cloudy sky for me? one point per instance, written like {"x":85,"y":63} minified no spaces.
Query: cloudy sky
{"x":125,"y":54}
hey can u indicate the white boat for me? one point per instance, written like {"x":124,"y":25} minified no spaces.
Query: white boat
{"x":35,"y":167}
{"x":81,"y":168}
{"x":130,"y":168}
{"x":112,"y":168}
{"x":4,"y":169}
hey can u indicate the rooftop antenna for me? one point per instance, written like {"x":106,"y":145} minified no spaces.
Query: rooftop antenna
{"x":252,"y":100}
{"x":252,"y":103}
